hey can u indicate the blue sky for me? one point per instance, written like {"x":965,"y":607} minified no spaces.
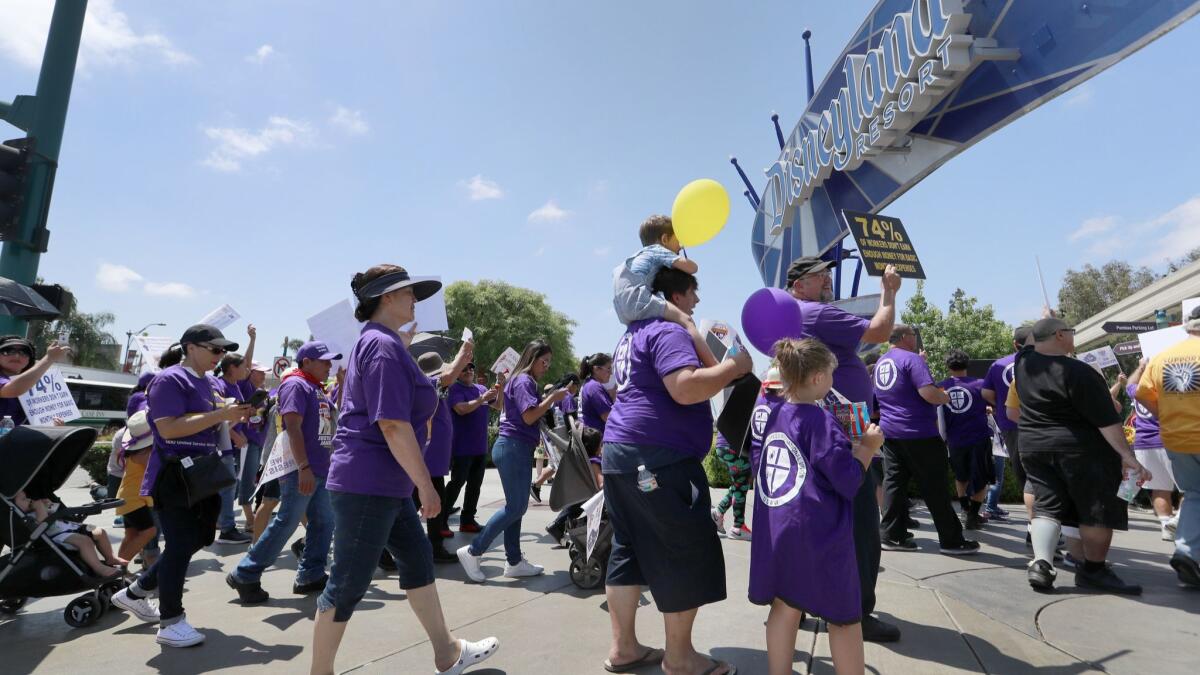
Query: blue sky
{"x":259,"y":153}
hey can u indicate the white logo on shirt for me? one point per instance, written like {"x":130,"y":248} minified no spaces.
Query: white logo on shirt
{"x":960,"y":399}
{"x":782,"y":472}
{"x":885,"y":374}
{"x":758,"y":422}
{"x":621,"y":361}
{"x":1008,"y":373}
{"x":1141,"y":410}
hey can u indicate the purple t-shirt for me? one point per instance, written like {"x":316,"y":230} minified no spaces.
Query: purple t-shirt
{"x":441,"y":435}
{"x":841,"y":332}
{"x":471,"y":430}
{"x":175,"y":392}
{"x":256,"y":428}
{"x":966,"y":413}
{"x":903,"y":414}
{"x":382,"y":382}
{"x":232,"y":390}
{"x":999,"y":378}
{"x":11,"y":407}
{"x":764,"y":405}
{"x":594,"y":401}
{"x":803,"y":546}
{"x":567,"y":405}
{"x":136,"y":402}
{"x":1145,"y":425}
{"x":301,"y":397}
{"x":520,"y":394}
{"x":645,"y":414}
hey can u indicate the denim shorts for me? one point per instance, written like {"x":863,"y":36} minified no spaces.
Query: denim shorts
{"x":363,"y":526}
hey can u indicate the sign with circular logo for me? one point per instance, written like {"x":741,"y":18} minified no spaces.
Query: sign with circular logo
{"x":281,"y":364}
{"x":885,"y":374}
{"x":960,"y":399}
{"x":781,"y":472}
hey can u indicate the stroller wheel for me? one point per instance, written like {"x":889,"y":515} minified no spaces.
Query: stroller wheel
{"x":106,"y":591}
{"x":12,"y":605}
{"x":587,"y":575}
{"x":83,"y":611}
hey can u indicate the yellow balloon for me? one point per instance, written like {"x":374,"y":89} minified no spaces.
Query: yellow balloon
{"x":700,"y":211}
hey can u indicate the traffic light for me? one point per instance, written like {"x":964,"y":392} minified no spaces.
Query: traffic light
{"x":14,"y":168}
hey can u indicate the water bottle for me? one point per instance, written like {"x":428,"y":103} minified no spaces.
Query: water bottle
{"x":6,"y":425}
{"x":1160,"y":318}
{"x":646,"y":480}
{"x":1129,"y":486}
{"x":558,"y":417}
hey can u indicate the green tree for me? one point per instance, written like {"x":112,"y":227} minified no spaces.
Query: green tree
{"x":501,"y":315}
{"x":1091,"y":290}
{"x":91,"y":345}
{"x":966,"y":326}
{"x":1184,"y":260}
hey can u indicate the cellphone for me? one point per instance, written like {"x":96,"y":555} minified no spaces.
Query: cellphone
{"x":258,"y":398}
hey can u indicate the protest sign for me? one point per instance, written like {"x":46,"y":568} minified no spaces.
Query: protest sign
{"x":1159,"y":340}
{"x":593,"y":509}
{"x":336,"y":327}
{"x":279,"y":463}
{"x":507,"y":361}
{"x":48,"y":399}
{"x":151,"y":347}
{"x":1100,"y":358}
{"x":430,"y":314}
{"x":221,"y":317}
{"x":1189,"y":305}
{"x":882,"y":241}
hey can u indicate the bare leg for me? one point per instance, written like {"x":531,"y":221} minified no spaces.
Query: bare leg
{"x":961,"y":487}
{"x":248,"y":514}
{"x":1028,"y":505}
{"x":1096,"y":541}
{"x":783,"y":623}
{"x":846,"y":647}
{"x":134,"y":541}
{"x":262,"y":517}
{"x":100,"y":537}
{"x":681,"y":657}
{"x":327,"y":636}
{"x":546,"y":474}
{"x":428,"y":608}
{"x":1162,"y":503}
{"x":622,"y":614}
{"x":87,"y":551}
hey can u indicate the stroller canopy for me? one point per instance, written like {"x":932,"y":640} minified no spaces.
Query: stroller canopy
{"x":39,"y":460}
{"x":573,"y":483}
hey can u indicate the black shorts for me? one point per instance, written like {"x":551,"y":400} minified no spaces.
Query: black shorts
{"x":139,"y":519}
{"x":1077,"y":488}
{"x":972,"y":464}
{"x":270,"y":490}
{"x":666,"y":538}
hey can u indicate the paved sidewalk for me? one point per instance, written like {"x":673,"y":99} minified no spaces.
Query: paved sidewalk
{"x":959,"y":615}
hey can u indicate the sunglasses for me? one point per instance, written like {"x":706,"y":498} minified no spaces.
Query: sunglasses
{"x":213,"y":349}
{"x":13,"y":351}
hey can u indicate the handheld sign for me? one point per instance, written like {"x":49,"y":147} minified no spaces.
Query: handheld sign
{"x":48,"y":399}
{"x":882,"y":241}
{"x":507,"y":361}
{"x":221,"y":317}
{"x":1104,"y":357}
{"x":1129,"y":326}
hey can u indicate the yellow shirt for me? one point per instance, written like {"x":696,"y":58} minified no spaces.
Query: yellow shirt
{"x":1172,"y":381}
{"x":1012,"y":400}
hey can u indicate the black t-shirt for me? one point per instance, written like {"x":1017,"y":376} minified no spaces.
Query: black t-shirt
{"x":1064,"y":403}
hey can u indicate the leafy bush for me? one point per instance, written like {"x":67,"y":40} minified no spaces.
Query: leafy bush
{"x":714,"y":469}
{"x":95,"y":461}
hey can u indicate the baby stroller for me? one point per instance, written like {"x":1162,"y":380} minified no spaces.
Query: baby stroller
{"x":38,"y":460}
{"x":573,"y":485}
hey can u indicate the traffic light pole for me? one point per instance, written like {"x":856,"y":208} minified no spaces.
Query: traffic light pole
{"x":43,"y":117}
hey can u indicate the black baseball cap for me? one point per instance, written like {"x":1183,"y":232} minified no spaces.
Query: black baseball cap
{"x":203,"y":332}
{"x":806,"y":265}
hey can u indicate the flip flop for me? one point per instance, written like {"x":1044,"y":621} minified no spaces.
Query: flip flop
{"x":650,"y":657}
{"x":717,"y":665}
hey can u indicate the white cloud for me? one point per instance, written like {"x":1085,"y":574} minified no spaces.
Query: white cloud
{"x":540,"y":252}
{"x":1093,"y":227}
{"x":108,"y":38}
{"x":602,"y":251}
{"x":1182,"y":232}
{"x":548,"y":213}
{"x":1080,"y":97}
{"x":261,"y":54}
{"x":116,"y":278}
{"x":169,"y":289}
{"x":349,"y":121}
{"x":480,"y":188}
{"x":233,"y":146}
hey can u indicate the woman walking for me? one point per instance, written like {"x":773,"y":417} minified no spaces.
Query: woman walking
{"x":595,"y":401}
{"x":387,"y":403}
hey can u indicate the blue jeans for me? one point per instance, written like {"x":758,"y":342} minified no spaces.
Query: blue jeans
{"x":365,"y":525}
{"x":227,"y":520}
{"x":317,"y":535}
{"x":1187,"y":476}
{"x":514,"y":460}
{"x":993,"y":495}
{"x":248,"y":479}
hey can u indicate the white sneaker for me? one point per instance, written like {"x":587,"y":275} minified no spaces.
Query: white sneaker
{"x":473,"y":653}
{"x":470,"y":565}
{"x":1172,"y":524}
{"x":719,"y":519}
{"x":1168,"y":533}
{"x":739,"y":533}
{"x":523,"y":569}
{"x":179,"y":634}
{"x":142,"y":608}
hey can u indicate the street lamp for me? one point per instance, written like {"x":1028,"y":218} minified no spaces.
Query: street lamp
{"x":129,"y":339}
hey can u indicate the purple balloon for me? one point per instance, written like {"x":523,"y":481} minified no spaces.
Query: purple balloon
{"x":769,"y":315}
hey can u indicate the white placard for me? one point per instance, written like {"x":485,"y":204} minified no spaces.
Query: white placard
{"x":337,"y":328}
{"x":1104,"y":357}
{"x":592,"y":510}
{"x":279,"y":463}
{"x":48,"y":399}
{"x":724,"y":342}
{"x":1158,"y":340}
{"x":430,"y":314}
{"x":221,"y":317}
{"x":467,"y":335}
{"x":1188,"y":306}
{"x":151,"y":348}
{"x":507,"y":361}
